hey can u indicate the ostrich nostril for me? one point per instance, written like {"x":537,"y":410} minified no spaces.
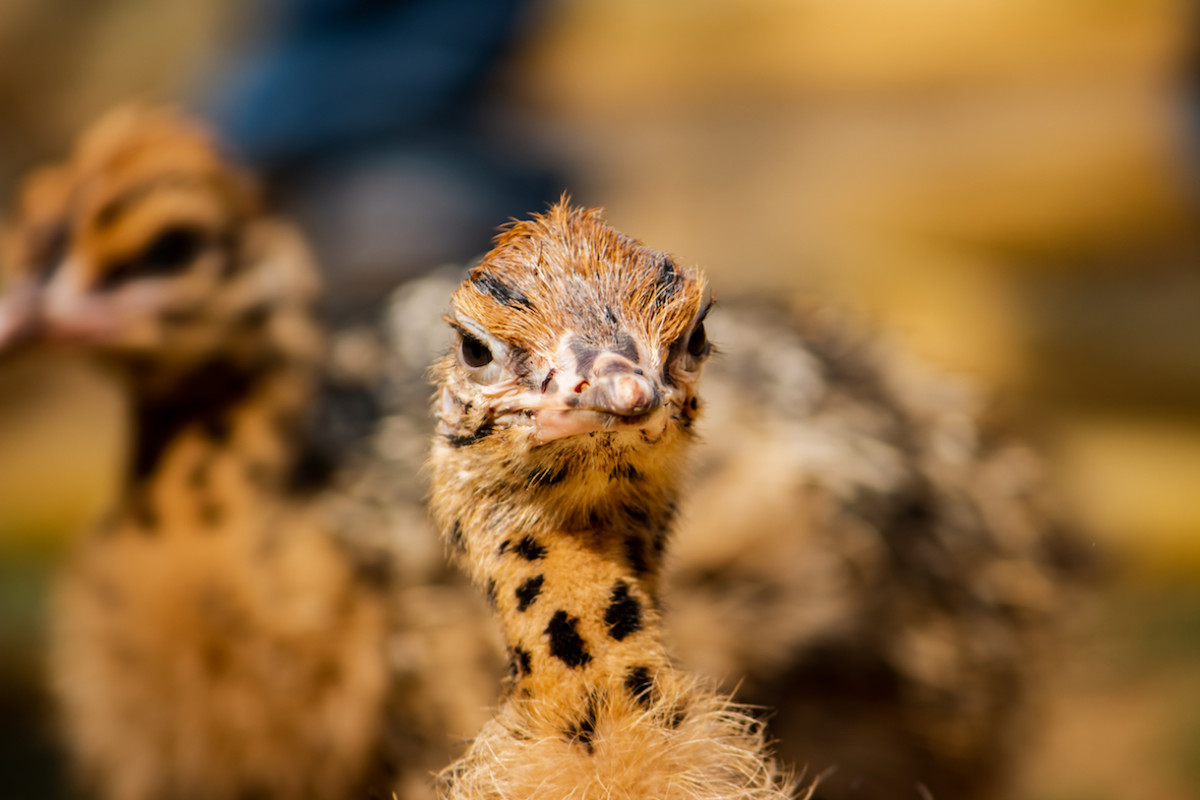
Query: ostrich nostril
{"x":631,"y":395}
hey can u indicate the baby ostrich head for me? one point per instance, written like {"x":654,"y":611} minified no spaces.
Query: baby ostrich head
{"x":139,"y":248}
{"x":570,"y":394}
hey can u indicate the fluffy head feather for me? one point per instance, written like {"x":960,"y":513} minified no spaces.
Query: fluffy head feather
{"x":568,"y":272}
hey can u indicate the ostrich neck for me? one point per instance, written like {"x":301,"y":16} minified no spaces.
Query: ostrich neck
{"x":215,"y":441}
{"x":577,"y":604}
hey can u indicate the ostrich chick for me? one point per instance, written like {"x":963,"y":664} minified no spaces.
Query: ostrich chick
{"x":210,"y":639}
{"x":565,"y":413}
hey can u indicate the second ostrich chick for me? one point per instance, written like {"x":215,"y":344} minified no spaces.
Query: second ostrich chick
{"x":211,"y":639}
{"x":565,"y":413}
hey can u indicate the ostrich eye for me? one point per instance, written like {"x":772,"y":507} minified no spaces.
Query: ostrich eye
{"x":172,"y":249}
{"x":474,"y":352}
{"x":167,"y":254}
{"x":697,"y":345}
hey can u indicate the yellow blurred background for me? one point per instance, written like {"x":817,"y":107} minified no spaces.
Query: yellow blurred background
{"x":1009,"y":186}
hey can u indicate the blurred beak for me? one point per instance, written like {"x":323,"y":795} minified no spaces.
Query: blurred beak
{"x":614,"y":393}
{"x":57,"y":311}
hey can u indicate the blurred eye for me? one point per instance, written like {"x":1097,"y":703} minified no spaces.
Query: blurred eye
{"x":474,"y":352}
{"x":697,"y":345}
{"x":172,"y":249}
{"x":170,"y":252}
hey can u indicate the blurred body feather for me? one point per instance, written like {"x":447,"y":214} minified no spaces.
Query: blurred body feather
{"x":212,"y":636}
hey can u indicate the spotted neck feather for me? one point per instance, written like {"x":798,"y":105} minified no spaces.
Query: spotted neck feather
{"x":574,"y":584}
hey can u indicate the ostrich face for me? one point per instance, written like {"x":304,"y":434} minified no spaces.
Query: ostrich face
{"x":133,"y":247}
{"x":572,"y":337}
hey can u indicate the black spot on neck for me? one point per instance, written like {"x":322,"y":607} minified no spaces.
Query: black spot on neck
{"x":635,"y":554}
{"x":584,"y":731}
{"x":565,"y":642}
{"x":456,"y":537}
{"x":529,"y":549}
{"x":204,"y":398}
{"x":528,"y":591}
{"x":659,"y":542}
{"x":490,"y":591}
{"x":624,"y":613}
{"x":500,"y":292}
{"x":640,"y":684}
{"x":521,"y":663}
{"x":661,"y":530}
{"x":636,"y":514}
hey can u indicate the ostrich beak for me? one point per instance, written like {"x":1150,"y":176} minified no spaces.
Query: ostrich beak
{"x":613,"y":394}
{"x":53,"y":312}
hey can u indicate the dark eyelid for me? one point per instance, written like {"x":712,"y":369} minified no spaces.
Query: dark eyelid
{"x":464,"y":332}
{"x":704,"y":312}
{"x":458,"y":327}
